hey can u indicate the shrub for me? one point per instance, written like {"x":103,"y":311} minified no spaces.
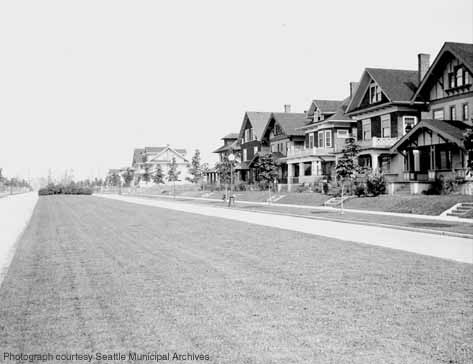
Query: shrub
{"x":375,"y":184}
{"x":360,"y":190}
{"x":325,"y":187}
{"x":70,"y":189}
{"x":442,"y":186}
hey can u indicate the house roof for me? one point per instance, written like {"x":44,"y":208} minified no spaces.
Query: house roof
{"x":231,"y":136}
{"x":327,"y":105}
{"x":289,"y":122}
{"x":451,"y":130}
{"x":258,"y":120}
{"x":340,"y":112}
{"x":234,"y":146}
{"x":462,"y":51}
{"x":397,"y":85}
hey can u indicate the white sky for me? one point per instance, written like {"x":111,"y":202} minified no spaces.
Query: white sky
{"x":82,"y":83}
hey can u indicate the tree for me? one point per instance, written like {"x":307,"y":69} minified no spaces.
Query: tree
{"x":114,"y":179}
{"x":195,"y":168}
{"x":347,"y":167}
{"x":146,"y":174}
{"x":225,"y":170}
{"x":468,"y":143}
{"x":173,"y":174}
{"x":158,"y":176}
{"x":267,"y":168}
{"x":128,"y":176}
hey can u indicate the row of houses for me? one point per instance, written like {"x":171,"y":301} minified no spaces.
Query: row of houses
{"x":409,"y":125}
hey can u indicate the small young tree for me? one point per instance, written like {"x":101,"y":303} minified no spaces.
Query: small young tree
{"x":225,"y":170}
{"x":173,"y":174}
{"x":195,"y":168}
{"x":146,"y":177}
{"x":158,"y":175}
{"x":267,"y":168}
{"x":128,"y":176}
{"x":347,"y":167}
{"x":114,"y":179}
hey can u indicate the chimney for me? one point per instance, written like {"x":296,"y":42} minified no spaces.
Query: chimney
{"x":287,"y":108}
{"x":353,"y":88}
{"x":423,"y":61}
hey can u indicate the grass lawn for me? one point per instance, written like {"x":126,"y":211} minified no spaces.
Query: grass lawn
{"x":92,"y":275}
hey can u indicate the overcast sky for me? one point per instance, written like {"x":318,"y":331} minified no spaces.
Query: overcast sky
{"x":82,"y":83}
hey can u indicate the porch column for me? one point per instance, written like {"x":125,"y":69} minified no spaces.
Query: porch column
{"x":314,"y":170}
{"x":374,"y":161}
{"x":290,"y":172}
{"x":301,"y":170}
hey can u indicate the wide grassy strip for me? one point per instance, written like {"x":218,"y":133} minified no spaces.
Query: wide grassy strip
{"x":95,"y":275}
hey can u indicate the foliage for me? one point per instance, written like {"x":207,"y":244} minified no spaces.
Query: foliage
{"x":146,"y":176}
{"x":347,"y":167}
{"x":375,"y":184}
{"x":113,"y":179}
{"x":195,"y":168}
{"x":128,"y":175}
{"x":158,"y":176}
{"x":173,"y":173}
{"x":442,"y":186}
{"x":224,"y":169}
{"x":360,"y":190}
{"x":70,"y":189}
{"x":267,"y":168}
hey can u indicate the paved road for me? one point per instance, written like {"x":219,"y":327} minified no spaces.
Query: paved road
{"x":95,"y":275}
{"x":448,"y":247}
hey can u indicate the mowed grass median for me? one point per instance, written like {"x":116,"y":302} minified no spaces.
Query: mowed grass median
{"x":96,"y":275}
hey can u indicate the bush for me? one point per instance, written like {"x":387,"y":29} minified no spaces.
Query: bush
{"x":70,"y":189}
{"x":325,"y":187}
{"x":360,"y":190}
{"x":442,"y":186}
{"x":375,"y":184}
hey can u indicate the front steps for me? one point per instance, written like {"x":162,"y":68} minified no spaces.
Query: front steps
{"x":460,"y":209}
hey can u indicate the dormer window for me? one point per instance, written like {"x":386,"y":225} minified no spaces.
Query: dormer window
{"x":375,"y":93}
{"x":459,"y":76}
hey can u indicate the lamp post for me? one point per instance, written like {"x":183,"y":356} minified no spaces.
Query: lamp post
{"x":231,"y":158}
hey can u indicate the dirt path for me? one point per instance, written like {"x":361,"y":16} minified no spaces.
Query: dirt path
{"x":94,"y":275}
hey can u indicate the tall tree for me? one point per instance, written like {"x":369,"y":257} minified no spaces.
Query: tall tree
{"x":128,"y":176}
{"x":267,"y":168}
{"x":173,"y":174}
{"x":158,"y":175}
{"x":347,"y":166}
{"x":195,"y":168}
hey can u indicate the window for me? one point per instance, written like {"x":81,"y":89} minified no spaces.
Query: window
{"x":328,"y":138}
{"x":342,"y":133}
{"x":321,"y":139}
{"x":386,"y":126}
{"x":466,"y":112}
{"x":366,"y":129}
{"x":451,"y":80}
{"x":459,"y":77}
{"x":466,"y":79}
{"x":408,"y":122}
{"x":247,"y":135}
{"x":438,"y":114}
{"x":273,"y":148}
{"x":311,"y":140}
{"x":453,"y":113}
{"x":354,"y":132}
{"x":245,"y":154}
{"x":375,"y":93}
{"x":444,"y":160}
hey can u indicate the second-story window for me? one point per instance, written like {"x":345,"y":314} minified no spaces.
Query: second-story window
{"x":465,"y":112}
{"x":453,"y":113}
{"x":366,"y":129}
{"x":247,"y":135}
{"x":320,"y":136}
{"x":438,"y":114}
{"x":311,"y":140}
{"x":245,"y":154}
{"x":408,"y":122}
{"x":386,"y":126}
{"x":328,"y":138}
{"x":255,"y":150}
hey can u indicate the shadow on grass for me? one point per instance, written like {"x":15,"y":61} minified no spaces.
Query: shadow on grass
{"x":430,"y":224}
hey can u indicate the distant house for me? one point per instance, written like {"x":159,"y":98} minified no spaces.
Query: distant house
{"x":433,"y":148}
{"x":251,"y":142}
{"x":147,"y":160}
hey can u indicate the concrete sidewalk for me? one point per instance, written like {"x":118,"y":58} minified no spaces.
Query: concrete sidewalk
{"x":447,"y":247}
{"x":15,"y":213}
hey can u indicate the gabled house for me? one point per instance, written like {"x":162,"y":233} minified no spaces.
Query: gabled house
{"x":231,"y":145}
{"x":283,"y":133}
{"x":251,"y":142}
{"x":383,"y":110}
{"x":434,"y":149}
{"x":148,"y":159}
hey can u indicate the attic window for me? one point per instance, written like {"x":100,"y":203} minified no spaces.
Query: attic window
{"x":375,"y":93}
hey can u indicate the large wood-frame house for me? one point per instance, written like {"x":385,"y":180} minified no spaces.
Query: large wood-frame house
{"x":283,"y":134}
{"x":434,"y":148}
{"x":384,"y":112}
{"x":148,"y":159}
{"x":251,"y":142}
{"x":231,"y":145}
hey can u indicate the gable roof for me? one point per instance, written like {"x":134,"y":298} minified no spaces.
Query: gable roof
{"x":289,"y":122}
{"x":233,"y":146}
{"x":326,"y":106}
{"x":340,"y":113}
{"x":258,"y":120}
{"x":451,"y":130}
{"x":462,"y":51}
{"x":231,"y":136}
{"x":397,"y":85}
